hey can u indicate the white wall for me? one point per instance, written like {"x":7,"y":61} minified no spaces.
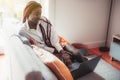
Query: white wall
{"x":83,"y":21}
{"x":52,"y":11}
{"x":115,"y":20}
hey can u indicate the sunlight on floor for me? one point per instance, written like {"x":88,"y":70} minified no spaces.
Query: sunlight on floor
{"x":1,"y":43}
{"x":3,"y":68}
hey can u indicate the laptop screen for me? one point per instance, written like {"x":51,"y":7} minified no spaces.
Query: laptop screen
{"x":86,"y":67}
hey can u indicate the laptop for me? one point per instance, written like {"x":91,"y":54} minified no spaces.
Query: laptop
{"x":85,"y":67}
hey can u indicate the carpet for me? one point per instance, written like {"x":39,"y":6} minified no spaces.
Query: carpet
{"x":103,"y":71}
{"x":106,"y":57}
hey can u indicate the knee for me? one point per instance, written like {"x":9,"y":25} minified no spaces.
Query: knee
{"x":34,"y":75}
{"x":77,"y":53}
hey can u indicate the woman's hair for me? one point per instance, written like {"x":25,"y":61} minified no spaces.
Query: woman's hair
{"x":29,"y":8}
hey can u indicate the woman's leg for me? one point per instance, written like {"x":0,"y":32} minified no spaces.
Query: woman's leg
{"x":75,"y":54}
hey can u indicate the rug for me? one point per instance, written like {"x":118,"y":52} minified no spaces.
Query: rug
{"x":103,"y":71}
{"x":106,"y":57}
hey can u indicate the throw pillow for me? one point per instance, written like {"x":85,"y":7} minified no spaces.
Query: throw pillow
{"x":56,"y":65}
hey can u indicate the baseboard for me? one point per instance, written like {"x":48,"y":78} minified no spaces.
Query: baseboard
{"x":1,"y":53}
{"x":95,"y":44}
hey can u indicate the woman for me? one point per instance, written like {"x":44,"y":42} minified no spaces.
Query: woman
{"x":40,"y":31}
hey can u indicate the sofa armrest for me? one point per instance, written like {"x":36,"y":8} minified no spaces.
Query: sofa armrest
{"x":23,"y":60}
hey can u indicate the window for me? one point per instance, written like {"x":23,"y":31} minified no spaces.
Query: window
{"x":12,"y":10}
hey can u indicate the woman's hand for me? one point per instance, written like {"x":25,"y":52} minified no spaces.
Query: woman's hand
{"x":66,"y":58}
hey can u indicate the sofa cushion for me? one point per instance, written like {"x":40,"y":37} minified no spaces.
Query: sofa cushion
{"x":56,"y":65}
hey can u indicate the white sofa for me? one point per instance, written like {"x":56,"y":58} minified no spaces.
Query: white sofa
{"x":22,"y":60}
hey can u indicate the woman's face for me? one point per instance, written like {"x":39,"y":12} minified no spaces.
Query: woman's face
{"x":35,"y":15}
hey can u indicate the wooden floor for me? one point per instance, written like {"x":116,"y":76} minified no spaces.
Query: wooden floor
{"x":106,"y":57}
{"x":2,"y":62}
